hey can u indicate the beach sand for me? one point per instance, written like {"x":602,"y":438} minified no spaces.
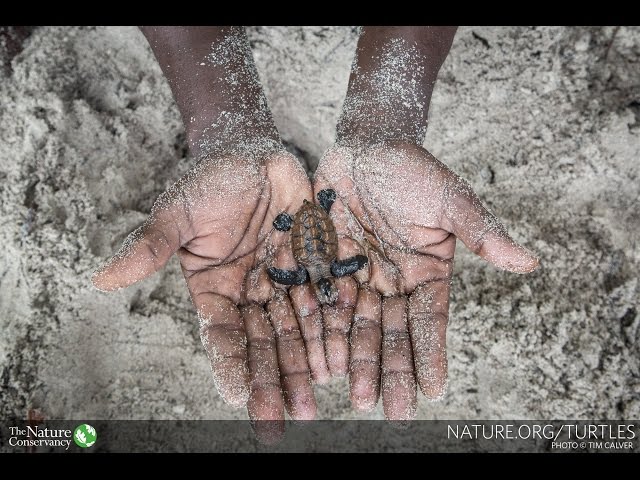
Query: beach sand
{"x":543,"y":122}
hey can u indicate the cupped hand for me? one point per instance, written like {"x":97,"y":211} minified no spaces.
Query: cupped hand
{"x":404,"y":209}
{"x":218,"y":219}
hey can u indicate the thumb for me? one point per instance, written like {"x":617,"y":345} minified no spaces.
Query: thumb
{"x":145,"y":251}
{"x":466,"y":217}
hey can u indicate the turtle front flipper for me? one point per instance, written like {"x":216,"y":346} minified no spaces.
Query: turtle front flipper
{"x":283,"y":222}
{"x":288,"y":277}
{"x":326,"y":198}
{"x":342,"y":268}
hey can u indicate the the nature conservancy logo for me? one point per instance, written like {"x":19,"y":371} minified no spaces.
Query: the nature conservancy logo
{"x":84,"y":436}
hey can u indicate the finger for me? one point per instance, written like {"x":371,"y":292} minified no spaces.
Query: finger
{"x":428,"y":315}
{"x":366,"y":340}
{"x":398,"y":379}
{"x":145,"y":251}
{"x":265,"y":404}
{"x":337,"y":325}
{"x":481,"y":231}
{"x":309,"y":317}
{"x":295,"y":375}
{"x":223,"y":336}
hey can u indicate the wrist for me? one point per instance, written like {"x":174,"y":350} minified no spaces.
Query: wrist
{"x":391,"y":84}
{"x":215,"y":85}
{"x":389,"y":98}
{"x":367,"y":125}
{"x":217,"y":129}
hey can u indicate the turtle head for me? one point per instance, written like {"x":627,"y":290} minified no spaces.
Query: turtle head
{"x":326,"y":291}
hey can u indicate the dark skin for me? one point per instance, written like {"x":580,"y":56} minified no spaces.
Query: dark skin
{"x":218,"y":220}
{"x":266,"y":343}
{"x":395,"y":120}
{"x":405,"y":209}
{"x":206,"y":81}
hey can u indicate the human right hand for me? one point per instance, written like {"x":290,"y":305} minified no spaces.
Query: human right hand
{"x":404,"y":209}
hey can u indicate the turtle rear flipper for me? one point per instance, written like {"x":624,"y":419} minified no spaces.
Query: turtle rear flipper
{"x":288,"y":277}
{"x":342,"y":268}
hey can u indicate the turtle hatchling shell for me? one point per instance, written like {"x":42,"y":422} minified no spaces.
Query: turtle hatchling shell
{"x":313,"y":236}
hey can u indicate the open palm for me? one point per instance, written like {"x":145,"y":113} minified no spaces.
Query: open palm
{"x":404,"y":209}
{"x":218,"y":219}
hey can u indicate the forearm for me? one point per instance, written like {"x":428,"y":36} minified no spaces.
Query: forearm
{"x":215,"y":85}
{"x":391,"y":83}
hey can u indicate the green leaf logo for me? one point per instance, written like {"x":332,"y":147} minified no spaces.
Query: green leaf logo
{"x":85,"y":435}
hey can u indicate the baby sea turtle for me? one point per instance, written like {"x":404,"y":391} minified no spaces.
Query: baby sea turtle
{"x":315,"y":247}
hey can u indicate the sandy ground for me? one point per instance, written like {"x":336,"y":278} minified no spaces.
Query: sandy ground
{"x":544,"y":123}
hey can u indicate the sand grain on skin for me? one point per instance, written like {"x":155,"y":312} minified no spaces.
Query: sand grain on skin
{"x":543,"y":128}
